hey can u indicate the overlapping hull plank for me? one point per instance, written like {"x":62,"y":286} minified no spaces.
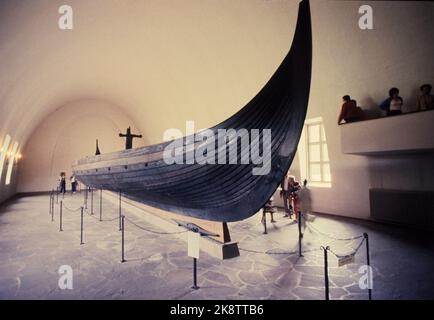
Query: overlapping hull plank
{"x":219,"y":192}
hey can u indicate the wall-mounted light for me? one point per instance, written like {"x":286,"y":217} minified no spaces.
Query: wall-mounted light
{"x":4,"y":147}
{"x":11,"y":163}
{"x":18,"y":156}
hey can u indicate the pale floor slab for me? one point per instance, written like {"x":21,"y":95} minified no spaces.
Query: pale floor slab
{"x":32,"y":249}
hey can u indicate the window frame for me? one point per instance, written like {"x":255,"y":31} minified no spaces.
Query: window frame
{"x":322,"y":142}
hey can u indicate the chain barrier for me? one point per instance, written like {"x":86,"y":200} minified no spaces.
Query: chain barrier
{"x":153,"y":231}
{"x":69,"y":209}
{"x":333,"y":237}
{"x":354,"y":252}
{"x":328,"y":235}
{"x":96,"y":218}
{"x":267,"y":252}
{"x":117,"y":218}
{"x":271,"y":252}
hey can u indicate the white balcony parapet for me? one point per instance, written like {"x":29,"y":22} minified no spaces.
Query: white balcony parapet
{"x":406,"y":133}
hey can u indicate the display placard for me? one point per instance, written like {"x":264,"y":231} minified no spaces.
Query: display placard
{"x":193,"y":239}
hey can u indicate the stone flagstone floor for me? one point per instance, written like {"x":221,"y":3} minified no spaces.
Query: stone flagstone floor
{"x":32,"y":249}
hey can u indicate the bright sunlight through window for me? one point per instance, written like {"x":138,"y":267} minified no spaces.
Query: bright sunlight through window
{"x":313,"y":154}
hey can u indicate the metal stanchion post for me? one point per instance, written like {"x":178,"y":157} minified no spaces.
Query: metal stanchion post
{"x":123,"y":239}
{"x":300,"y":235}
{"x":120,"y":210}
{"x":86,"y":196}
{"x":51,"y":199}
{"x":264,"y":221}
{"x":326,"y":273}
{"x":52,"y":204}
{"x":81,"y":227}
{"x":61,"y":211}
{"x":57,"y":195}
{"x":195,"y":287}
{"x":100,"y":205}
{"x":52,"y":212}
{"x":91,"y":200}
{"x":368,"y":261}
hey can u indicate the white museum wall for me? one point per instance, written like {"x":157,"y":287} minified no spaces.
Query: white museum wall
{"x":365,"y":64}
{"x":165,"y":62}
{"x":7,"y":191}
{"x":67,"y":135}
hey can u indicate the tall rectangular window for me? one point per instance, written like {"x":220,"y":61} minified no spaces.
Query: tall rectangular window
{"x":11,"y":163}
{"x":313,"y":154}
{"x":3,"y":153}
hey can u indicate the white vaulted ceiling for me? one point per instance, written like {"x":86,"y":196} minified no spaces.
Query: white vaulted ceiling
{"x":162,"y":62}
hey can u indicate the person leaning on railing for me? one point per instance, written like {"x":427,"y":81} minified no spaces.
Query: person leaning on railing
{"x":393,"y":105}
{"x":350,"y":112}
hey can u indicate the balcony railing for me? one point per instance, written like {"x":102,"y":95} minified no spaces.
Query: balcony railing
{"x":406,"y":133}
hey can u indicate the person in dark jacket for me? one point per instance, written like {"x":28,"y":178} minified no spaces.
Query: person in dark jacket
{"x":349,"y":111}
{"x":62,"y":183}
{"x":268,"y":208}
{"x":393,"y":104}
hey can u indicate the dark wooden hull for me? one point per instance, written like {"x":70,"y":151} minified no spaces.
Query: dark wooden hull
{"x":220,"y":192}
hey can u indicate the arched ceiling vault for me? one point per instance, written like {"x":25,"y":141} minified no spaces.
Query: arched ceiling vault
{"x":162,"y":62}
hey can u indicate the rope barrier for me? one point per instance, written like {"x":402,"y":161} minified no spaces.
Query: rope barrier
{"x":270,"y":252}
{"x":153,"y":231}
{"x":69,"y":209}
{"x":96,"y":218}
{"x":329,"y":235}
{"x":87,"y":211}
{"x":117,"y":218}
{"x":354,"y":252}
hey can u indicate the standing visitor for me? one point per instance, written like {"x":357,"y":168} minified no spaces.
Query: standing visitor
{"x":62,"y":183}
{"x":268,"y":208}
{"x":73,"y":184}
{"x":294,"y":187}
{"x":304,"y":202}
{"x":285,"y":195}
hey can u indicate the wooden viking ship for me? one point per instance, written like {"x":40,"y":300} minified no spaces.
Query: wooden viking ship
{"x":219,"y":192}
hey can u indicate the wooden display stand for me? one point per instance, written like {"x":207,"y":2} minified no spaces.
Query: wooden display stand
{"x":218,"y":244}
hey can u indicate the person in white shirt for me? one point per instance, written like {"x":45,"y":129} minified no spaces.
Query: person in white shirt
{"x":393,"y":104}
{"x":73,"y":184}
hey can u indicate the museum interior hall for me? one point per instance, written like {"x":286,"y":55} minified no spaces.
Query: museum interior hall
{"x":216,"y":149}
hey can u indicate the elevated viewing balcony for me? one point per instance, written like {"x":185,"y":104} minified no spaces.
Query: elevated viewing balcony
{"x":406,"y":133}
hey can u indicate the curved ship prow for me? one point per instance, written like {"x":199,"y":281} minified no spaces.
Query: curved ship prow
{"x":220,"y":192}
